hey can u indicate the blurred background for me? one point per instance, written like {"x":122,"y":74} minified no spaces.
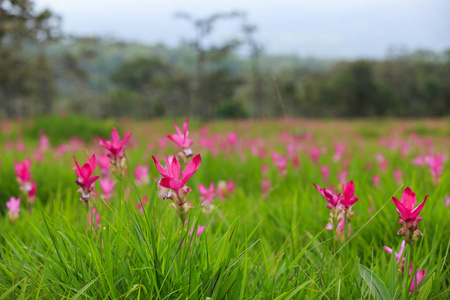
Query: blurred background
{"x":227,"y":59}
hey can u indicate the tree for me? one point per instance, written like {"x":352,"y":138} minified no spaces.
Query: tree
{"x":212,"y":85}
{"x":20,"y":76}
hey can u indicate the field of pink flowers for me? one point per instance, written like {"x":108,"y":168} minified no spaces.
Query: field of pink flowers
{"x":287,"y":209}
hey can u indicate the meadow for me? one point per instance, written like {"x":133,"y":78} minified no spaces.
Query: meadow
{"x":244,"y":221}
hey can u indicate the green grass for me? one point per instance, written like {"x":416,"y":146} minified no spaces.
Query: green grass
{"x":254,"y":247}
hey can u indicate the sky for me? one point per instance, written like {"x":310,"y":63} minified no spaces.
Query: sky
{"x":348,"y":29}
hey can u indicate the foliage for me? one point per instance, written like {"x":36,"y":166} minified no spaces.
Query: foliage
{"x":58,"y":129}
{"x":254,"y":246}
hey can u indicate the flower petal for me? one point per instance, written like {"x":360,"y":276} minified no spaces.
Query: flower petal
{"x":401,"y":208}
{"x":418,"y":209}
{"x":160,"y":168}
{"x":191,"y":168}
{"x":408,"y":199}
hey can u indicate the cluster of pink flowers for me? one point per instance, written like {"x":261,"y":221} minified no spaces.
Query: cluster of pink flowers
{"x":340,"y":207}
{"x":222,"y":190}
{"x":116,"y":151}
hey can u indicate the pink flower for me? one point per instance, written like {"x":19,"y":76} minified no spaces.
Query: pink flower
{"x":342,"y":176}
{"x":23,"y":172}
{"x":115,"y":146}
{"x":397,"y":175}
{"x":325,"y":170}
{"x":419,"y":160}
{"x":447,"y":201}
{"x":85,"y":181}
{"x":141,"y":174}
{"x":207,"y":194}
{"x":383,"y":165}
{"x":44,"y":142}
{"x":409,"y":216}
{"x":13,"y":208}
{"x":32,"y":192}
{"x":436,"y":164}
{"x":280,"y":162}
{"x":415,"y":282}
{"x":230,"y":186}
{"x":104,"y":163}
{"x":232,"y":138}
{"x":172,"y":178}
{"x":144,"y":201}
{"x":398,"y":255}
{"x":340,"y":228}
{"x":333,"y":200}
{"x":107,"y":188}
{"x":181,"y":139}
{"x":264,"y":169}
{"x":339,"y":151}
{"x":96,"y":216}
{"x":265,"y":186}
{"x":375,"y":179}
{"x":315,"y":153}
{"x":348,"y":198}
{"x":406,"y":206}
{"x":224,"y":188}
{"x":200,"y":230}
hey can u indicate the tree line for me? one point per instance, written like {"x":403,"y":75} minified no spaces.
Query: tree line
{"x":44,"y":71}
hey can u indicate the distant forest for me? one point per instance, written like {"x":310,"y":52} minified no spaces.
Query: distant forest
{"x":44,"y":71}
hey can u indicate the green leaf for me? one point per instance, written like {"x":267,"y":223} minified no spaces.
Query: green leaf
{"x":11,"y":289}
{"x":81,"y":292}
{"x":426,"y":289}
{"x":293,"y":293}
{"x":377,"y":287}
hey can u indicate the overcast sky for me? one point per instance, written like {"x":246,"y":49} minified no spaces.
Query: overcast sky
{"x":328,"y":29}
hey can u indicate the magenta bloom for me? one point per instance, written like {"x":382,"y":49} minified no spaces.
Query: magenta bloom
{"x":181,"y":139}
{"x":333,"y":200}
{"x":13,"y":208}
{"x":141,"y":175}
{"x":339,"y":151}
{"x":107,"y":187}
{"x":23,"y":172}
{"x":13,"y":205}
{"x":325,"y":170}
{"x":348,"y":198}
{"x":397,"y":175}
{"x":207,"y":194}
{"x":104,"y":163}
{"x":85,"y":181}
{"x":232,"y":138}
{"x":200,"y":230}
{"x":32,"y":192}
{"x":92,"y":216}
{"x":406,"y":205}
{"x":375,"y":179}
{"x":420,"y":275}
{"x":409,"y":215}
{"x":398,"y":255}
{"x":342,"y":176}
{"x":115,"y":146}
{"x":265,"y":186}
{"x":172,"y":178}
{"x":436,"y":164}
{"x":144,"y":200}
{"x":315,"y":153}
